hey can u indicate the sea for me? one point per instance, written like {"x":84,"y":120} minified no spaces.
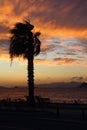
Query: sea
{"x":55,"y":94}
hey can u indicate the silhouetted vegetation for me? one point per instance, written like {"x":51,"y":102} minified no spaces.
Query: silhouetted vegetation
{"x":21,"y":104}
{"x":24,"y":43}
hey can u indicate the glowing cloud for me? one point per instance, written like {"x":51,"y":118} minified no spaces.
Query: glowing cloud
{"x":63,"y":27}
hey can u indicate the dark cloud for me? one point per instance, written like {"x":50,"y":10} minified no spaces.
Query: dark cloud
{"x":69,"y":13}
{"x":47,"y":48}
{"x":67,"y":53}
{"x":83,"y":45}
{"x":60,"y":13}
{"x":68,"y":60}
{"x":4,"y":46}
{"x":76,"y":78}
{"x":3,"y":28}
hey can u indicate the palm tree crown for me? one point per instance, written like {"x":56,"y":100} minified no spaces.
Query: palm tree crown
{"x":23,"y":41}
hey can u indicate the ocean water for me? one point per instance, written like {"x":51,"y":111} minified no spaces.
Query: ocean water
{"x":58,"y":94}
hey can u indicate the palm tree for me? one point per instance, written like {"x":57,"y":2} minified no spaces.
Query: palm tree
{"x":25,"y":43}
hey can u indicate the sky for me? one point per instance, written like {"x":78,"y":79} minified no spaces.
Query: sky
{"x":63,"y":27}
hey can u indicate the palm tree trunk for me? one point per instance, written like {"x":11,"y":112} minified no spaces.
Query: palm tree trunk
{"x":31,"y":79}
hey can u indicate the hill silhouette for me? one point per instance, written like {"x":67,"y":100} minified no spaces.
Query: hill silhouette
{"x":83,"y":85}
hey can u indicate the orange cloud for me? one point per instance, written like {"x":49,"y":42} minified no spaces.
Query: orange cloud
{"x":62,"y":61}
{"x":60,"y":19}
{"x":68,"y":61}
{"x":49,"y":31}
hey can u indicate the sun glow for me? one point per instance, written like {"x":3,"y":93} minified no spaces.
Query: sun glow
{"x":63,"y":27}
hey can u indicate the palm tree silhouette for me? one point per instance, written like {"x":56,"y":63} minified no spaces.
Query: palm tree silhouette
{"x":25,"y":43}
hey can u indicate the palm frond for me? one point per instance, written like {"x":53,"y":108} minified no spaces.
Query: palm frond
{"x":23,"y":42}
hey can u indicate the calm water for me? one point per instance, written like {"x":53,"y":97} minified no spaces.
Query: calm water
{"x":55,"y":94}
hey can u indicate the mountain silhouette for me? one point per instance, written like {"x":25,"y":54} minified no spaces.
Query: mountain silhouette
{"x":83,"y":85}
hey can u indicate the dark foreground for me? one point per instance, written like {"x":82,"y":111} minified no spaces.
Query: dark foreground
{"x":19,"y":115}
{"x":40,"y":120}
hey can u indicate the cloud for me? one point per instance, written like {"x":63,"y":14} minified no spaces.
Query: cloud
{"x":62,"y":61}
{"x":63,"y":25}
{"x":3,"y":28}
{"x":69,"y":13}
{"x":67,"y":61}
{"x":4,"y":31}
{"x":4,"y":46}
{"x":60,"y":18}
{"x":77,"y":78}
{"x":83,"y":45}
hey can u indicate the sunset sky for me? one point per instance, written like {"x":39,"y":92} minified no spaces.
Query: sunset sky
{"x":63,"y":27}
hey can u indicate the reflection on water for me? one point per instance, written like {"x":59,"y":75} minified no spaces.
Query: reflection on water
{"x":55,"y":94}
